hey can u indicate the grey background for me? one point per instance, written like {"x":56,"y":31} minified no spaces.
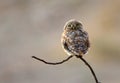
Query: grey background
{"x":34,"y":27}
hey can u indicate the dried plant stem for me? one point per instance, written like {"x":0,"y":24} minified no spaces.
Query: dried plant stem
{"x":56,"y":63}
{"x":92,"y":71}
{"x":50,"y":63}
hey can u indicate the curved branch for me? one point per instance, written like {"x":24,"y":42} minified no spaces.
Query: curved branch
{"x":92,"y":71}
{"x":50,"y":63}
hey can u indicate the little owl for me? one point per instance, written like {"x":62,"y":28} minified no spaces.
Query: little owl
{"x":75,"y":40}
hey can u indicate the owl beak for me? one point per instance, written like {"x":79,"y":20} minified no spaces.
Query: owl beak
{"x":73,"y":27}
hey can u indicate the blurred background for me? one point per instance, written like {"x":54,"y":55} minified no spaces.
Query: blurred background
{"x":34,"y":27}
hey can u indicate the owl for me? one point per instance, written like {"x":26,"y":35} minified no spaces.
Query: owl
{"x":75,"y":40}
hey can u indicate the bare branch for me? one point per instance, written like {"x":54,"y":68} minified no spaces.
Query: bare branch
{"x":50,"y":63}
{"x":92,"y":71}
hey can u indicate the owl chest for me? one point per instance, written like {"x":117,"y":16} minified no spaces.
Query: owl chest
{"x":75,"y":37}
{"x":76,"y":41}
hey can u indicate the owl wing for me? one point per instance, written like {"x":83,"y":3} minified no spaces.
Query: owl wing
{"x":87,"y":43}
{"x":65,"y":46}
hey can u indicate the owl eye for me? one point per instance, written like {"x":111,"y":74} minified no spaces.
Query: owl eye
{"x":69,"y":25}
{"x":77,"y":24}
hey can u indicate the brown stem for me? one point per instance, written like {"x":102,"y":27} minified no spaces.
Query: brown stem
{"x":50,"y":63}
{"x":92,"y":71}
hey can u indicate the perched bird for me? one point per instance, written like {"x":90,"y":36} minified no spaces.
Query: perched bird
{"x":75,"y":40}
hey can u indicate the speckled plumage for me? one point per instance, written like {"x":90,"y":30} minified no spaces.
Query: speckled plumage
{"x":75,"y":40}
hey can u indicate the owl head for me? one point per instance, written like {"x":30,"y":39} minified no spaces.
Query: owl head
{"x":73,"y":25}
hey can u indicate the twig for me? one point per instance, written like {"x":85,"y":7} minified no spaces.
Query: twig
{"x":56,"y":63}
{"x":92,"y":71}
{"x":50,"y":63}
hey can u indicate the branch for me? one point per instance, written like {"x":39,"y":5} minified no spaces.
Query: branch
{"x":92,"y":71}
{"x":56,"y":63}
{"x":50,"y":63}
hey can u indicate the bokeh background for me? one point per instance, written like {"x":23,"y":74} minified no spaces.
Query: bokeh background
{"x":34,"y":27}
